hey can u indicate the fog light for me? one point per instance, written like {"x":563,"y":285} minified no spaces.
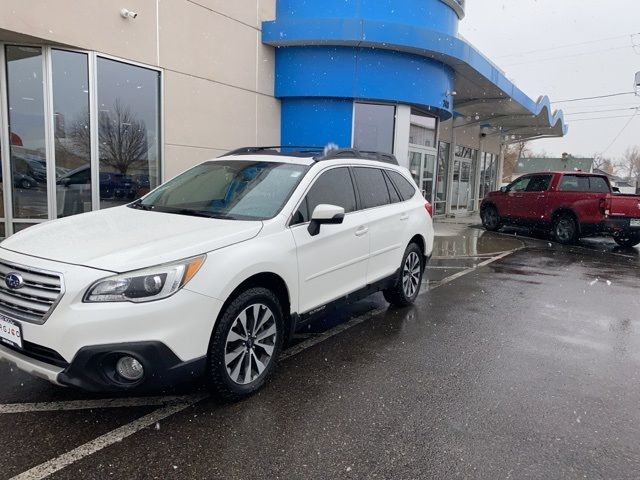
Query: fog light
{"x":129,"y":368}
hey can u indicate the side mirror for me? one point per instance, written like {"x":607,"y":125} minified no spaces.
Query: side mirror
{"x":325,"y":215}
{"x":615,"y":189}
{"x":503,"y":189}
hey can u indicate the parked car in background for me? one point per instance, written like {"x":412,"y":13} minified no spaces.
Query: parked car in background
{"x":569,"y":204}
{"x":117,"y":185}
{"x":211,"y":272}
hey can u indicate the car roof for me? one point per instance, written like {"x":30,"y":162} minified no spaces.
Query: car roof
{"x":563,"y":172}
{"x":310,"y":155}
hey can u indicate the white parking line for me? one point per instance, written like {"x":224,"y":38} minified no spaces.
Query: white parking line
{"x":173,"y":404}
{"x":93,"y":404}
{"x":47,"y":468}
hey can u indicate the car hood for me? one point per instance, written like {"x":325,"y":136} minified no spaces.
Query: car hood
{"x":122,"y":238}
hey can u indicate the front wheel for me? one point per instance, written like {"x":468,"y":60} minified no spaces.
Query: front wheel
{"x":565,"y":229}
{"x":490,"y":218}
{"x":407,"y":284}
{"x":630,"y":240}
{"x":245,"y":344}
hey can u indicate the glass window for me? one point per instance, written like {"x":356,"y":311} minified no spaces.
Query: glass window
{"x":393,"y":194}
{"x":598,"y":185}
{"x":27,"y":132}
{"x":128,"y":131}
{"x":72,"y":132}
{"x":236,"y":190}
{"x":371,"y":187}
{"x":574,"y":183}
{"x":539,"y":183}
{"x":520,"y":185}
{"x":374,"y":127}
{"x":441,"y":178}
{"x":422,"y":130}
{"x":407,"y":191}
{"x":466,"y":152}
{"x":334,"y":187}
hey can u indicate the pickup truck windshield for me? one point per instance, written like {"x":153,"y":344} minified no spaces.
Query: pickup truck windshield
{"x":233,"y":189}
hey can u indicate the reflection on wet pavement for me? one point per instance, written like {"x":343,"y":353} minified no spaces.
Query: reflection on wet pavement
{"x":474,"y":241}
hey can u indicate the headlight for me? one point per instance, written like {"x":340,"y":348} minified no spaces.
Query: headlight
{"x":145,"y":285}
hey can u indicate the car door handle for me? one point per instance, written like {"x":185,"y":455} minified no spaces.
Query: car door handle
{"x":404,"y":216}
{"x":361,"y":231}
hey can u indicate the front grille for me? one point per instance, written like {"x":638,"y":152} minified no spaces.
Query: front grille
{"x":34,"y":301}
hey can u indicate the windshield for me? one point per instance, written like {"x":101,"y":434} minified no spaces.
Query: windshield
{"x":229,"y":189}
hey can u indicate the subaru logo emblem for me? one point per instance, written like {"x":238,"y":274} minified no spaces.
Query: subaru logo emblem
{"x":14,"y":280}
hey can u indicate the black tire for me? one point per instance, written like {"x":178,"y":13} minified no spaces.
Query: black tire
{"x":490,"y":219}
{"x":565,"y":229}
{"x":220,"y":379}
{"x":401,"y":295}
{"x":628,"y":241}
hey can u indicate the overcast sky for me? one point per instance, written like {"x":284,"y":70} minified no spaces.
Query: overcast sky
{"x":504,"y":29}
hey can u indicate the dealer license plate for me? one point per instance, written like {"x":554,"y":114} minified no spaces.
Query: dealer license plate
{"x":635,"y":222}
{"x":10,"y":332}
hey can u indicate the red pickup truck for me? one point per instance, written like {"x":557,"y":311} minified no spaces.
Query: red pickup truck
{"x":569,"y":204}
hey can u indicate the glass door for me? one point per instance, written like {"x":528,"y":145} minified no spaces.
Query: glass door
{"x":462,"y":187}
{"x":422,"y":163}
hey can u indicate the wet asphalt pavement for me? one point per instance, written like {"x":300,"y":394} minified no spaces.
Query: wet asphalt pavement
{"x":526,"y":367}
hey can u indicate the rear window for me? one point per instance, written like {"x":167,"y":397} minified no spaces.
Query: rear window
{"x":372,"y":187}
{"x":407,"y":191}
{"x":583,"y":183}
{"x":598,"y":185}
{"x":574,"y":183}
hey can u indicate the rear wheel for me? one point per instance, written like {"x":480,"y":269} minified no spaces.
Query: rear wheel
{"x":245,"y":344}
{"x":490,"y":218}
{"x":565,"y":229}
{"x":407,"y":285}
{"x":629,"y":240}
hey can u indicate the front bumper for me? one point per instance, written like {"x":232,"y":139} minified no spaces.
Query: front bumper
{"x":170,"y":336}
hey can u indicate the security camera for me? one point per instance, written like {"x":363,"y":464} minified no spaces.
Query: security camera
{"x":128,"y":13}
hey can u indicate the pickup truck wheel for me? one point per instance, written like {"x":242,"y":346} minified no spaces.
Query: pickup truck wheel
{"x":407,"y":285}
{"x":630,"y":240}
{"x":491,"y":219}
{"x":245,"y":345}
{"x":565,"y":229}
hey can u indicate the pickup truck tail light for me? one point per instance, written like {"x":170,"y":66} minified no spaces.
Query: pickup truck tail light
{"x":605,"y":206}
{"x":429,"y":209}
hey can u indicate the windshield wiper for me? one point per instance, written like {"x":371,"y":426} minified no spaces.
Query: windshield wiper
{"x":141,"y":206}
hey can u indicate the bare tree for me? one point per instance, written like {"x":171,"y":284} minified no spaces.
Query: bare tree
{"x":631,"y":162}
{"x":603,"y":163}
{"x":513,"y":152}
{"x":122,"y":137}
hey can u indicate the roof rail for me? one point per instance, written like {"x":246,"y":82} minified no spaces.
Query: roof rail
{"x":291,"y":150}
{"x":359,"y":154}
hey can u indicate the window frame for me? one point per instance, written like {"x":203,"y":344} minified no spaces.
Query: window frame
{"x":6,"y":216}
{"x":355,"y":184}
{"x":383,"y":104}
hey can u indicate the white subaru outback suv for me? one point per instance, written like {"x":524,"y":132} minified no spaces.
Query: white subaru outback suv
{"x":210,"y":273}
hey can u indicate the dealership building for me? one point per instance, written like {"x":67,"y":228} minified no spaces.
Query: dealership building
{"x":101,"y":101}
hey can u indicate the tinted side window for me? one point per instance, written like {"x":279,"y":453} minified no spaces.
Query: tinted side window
{"x":574,"y":183}
{"x":403,"y":185}
{"x":598,"y":185}
{"x":372,"y":187}
{"x":539,"y":183}
{"x":333,"y":187}
{"x":393,"y":194}
{"x":519,"y":185}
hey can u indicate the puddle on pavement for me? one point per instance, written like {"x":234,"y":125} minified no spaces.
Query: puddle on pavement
{"x":474,"y":242}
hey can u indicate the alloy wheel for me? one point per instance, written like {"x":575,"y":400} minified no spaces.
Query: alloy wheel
{"x":490,"y":217}
{"x":411,"y":274}
{"x":565,"y":229}
{"x":250,"y":344}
